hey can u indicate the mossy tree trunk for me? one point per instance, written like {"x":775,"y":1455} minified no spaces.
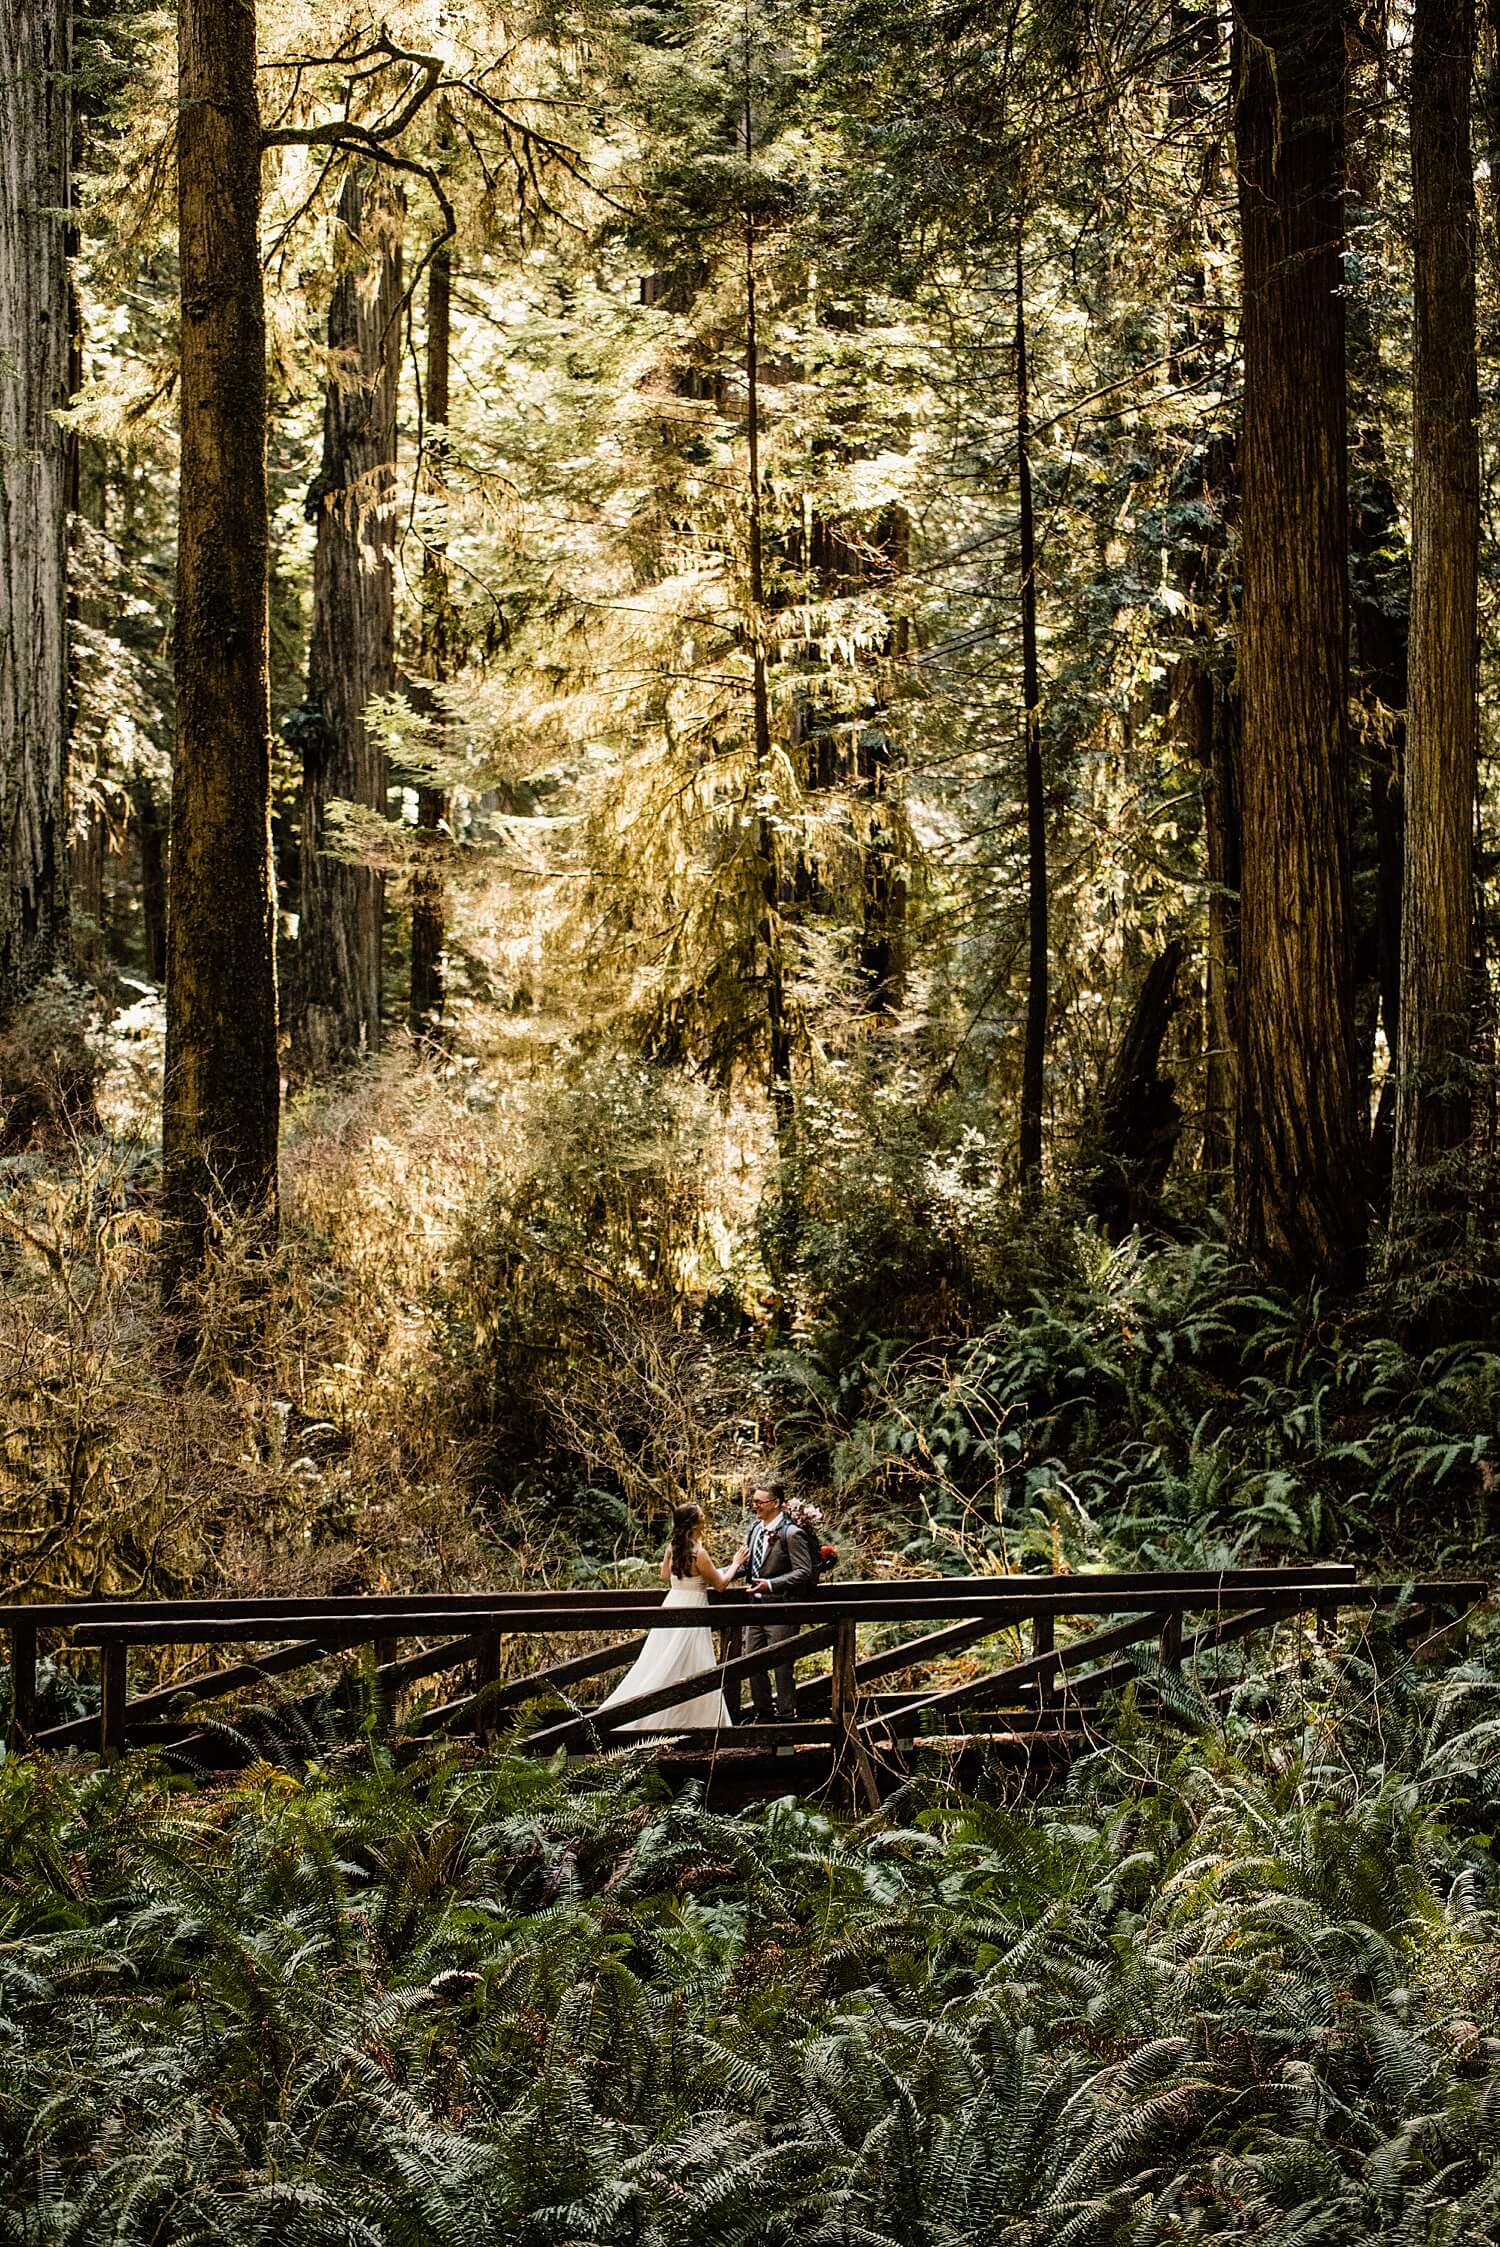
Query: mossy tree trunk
{"x":352,"y":656}
{"x":222,"y":1088}
{"x":1299,"y":1149}
{"x":35,"y":333}
{"x":1433,"y":1099}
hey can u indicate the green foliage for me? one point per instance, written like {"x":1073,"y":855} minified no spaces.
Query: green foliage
{"x":575,"y":1310}
{"x":1152,"y":1401}
{"x":894,"y":1214}
{"x":605,"y":1193}
{"x":1245,"y":1990}
{"x":50,"y":1064}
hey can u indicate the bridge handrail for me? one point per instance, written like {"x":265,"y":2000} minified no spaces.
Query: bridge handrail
{"x":610,"y":1599}
{"x":1239,"y":1600}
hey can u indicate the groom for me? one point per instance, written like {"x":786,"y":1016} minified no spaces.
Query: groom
{"x":778,"y":1561}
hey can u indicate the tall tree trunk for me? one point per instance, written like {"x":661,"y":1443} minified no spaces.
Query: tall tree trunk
{"x":1207,"y":718}
{"x":778,"y":1020}
{"x":1222,"y":822}
{"x":1380,"y":588}
{"x":1299,"y":1153}
{"x":353,"y":652}
{"x":1205,"y":705}
{"x":882,"y":936}
{"x":1034,"y":1059}
{"x":222,"y":1088}
{"x":86,"y":848}
{"x":427,"y":922}
{"x":35,"y":332}
{"x":1139,"y":1120}
{"x":1433,"y":1098}
{"x":1380,"y":600}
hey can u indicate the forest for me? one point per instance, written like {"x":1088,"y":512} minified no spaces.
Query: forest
{"x":751,"y":742}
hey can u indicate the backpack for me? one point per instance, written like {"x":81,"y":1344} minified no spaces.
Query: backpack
{"x":824,"y":1556}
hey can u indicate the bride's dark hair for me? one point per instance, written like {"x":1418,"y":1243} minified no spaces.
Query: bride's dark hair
{"x":686,"y":1522}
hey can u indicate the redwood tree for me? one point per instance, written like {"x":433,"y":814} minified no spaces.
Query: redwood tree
{"x":353,"y":650}
{"x":34,"y":361}
{"x":1437,"y":904}
{"x":222,"y":1089}
{"x":1299,"y":1152}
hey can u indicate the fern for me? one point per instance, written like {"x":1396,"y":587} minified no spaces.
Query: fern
{"x":1240,"y":1985}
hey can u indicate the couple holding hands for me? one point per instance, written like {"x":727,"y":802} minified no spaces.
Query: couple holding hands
{"x":780,"y":1559}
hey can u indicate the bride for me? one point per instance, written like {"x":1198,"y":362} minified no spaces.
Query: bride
{"x":670,"y":1655}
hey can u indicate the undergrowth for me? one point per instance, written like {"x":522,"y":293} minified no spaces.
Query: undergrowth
{"x":290,"y":1432}
{"x":500,"y":1342}
{"x":1244,"y":1986}
{"x":1152,"y":1404}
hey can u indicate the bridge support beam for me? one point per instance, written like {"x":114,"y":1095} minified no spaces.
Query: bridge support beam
{"x":853,"y":1777}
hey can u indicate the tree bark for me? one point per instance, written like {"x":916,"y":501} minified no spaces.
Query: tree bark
{"x":1034,"y":1058}
{"x":1380,"y":601}
{"x":1380,"y":589}
{"x":1207,"y":717}
{"x":1139,"y":1116}
{"x":222,"y":1088}
{"x":778,"y":1019}
{"x":425,"y":1006}
{"x":353,"y":652}
{"x":1433,"y":1098}
{"x":1299,"y":1186}
{"x":35,"y":335}
{"x":1205,"y":710}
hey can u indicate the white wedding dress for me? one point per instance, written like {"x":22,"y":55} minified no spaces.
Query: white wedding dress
{"x":669,"y":1656}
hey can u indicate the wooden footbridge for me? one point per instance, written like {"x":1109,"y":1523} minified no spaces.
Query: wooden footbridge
{"x":1022,"y":1664}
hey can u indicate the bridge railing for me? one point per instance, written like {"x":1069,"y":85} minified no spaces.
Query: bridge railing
{"x":846,"y":1711}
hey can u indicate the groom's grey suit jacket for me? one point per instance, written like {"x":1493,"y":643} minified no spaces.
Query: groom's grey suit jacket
{"x":790,"y":1566}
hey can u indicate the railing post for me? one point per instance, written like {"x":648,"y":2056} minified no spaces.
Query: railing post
{"x":845,"y":1692}
{"x":852,"y":1772}
{"x":22,"y":1684}
{"x":486,"y":1678}
{"x":1170,"y":1642}
{"x":733,"y":1648}
{"x":384,"y":1692}
{"x":1043,"y":1640}
{"x":112,"y":1695}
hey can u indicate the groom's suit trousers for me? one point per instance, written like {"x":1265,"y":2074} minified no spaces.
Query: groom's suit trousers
{"x":757,"y":1636}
